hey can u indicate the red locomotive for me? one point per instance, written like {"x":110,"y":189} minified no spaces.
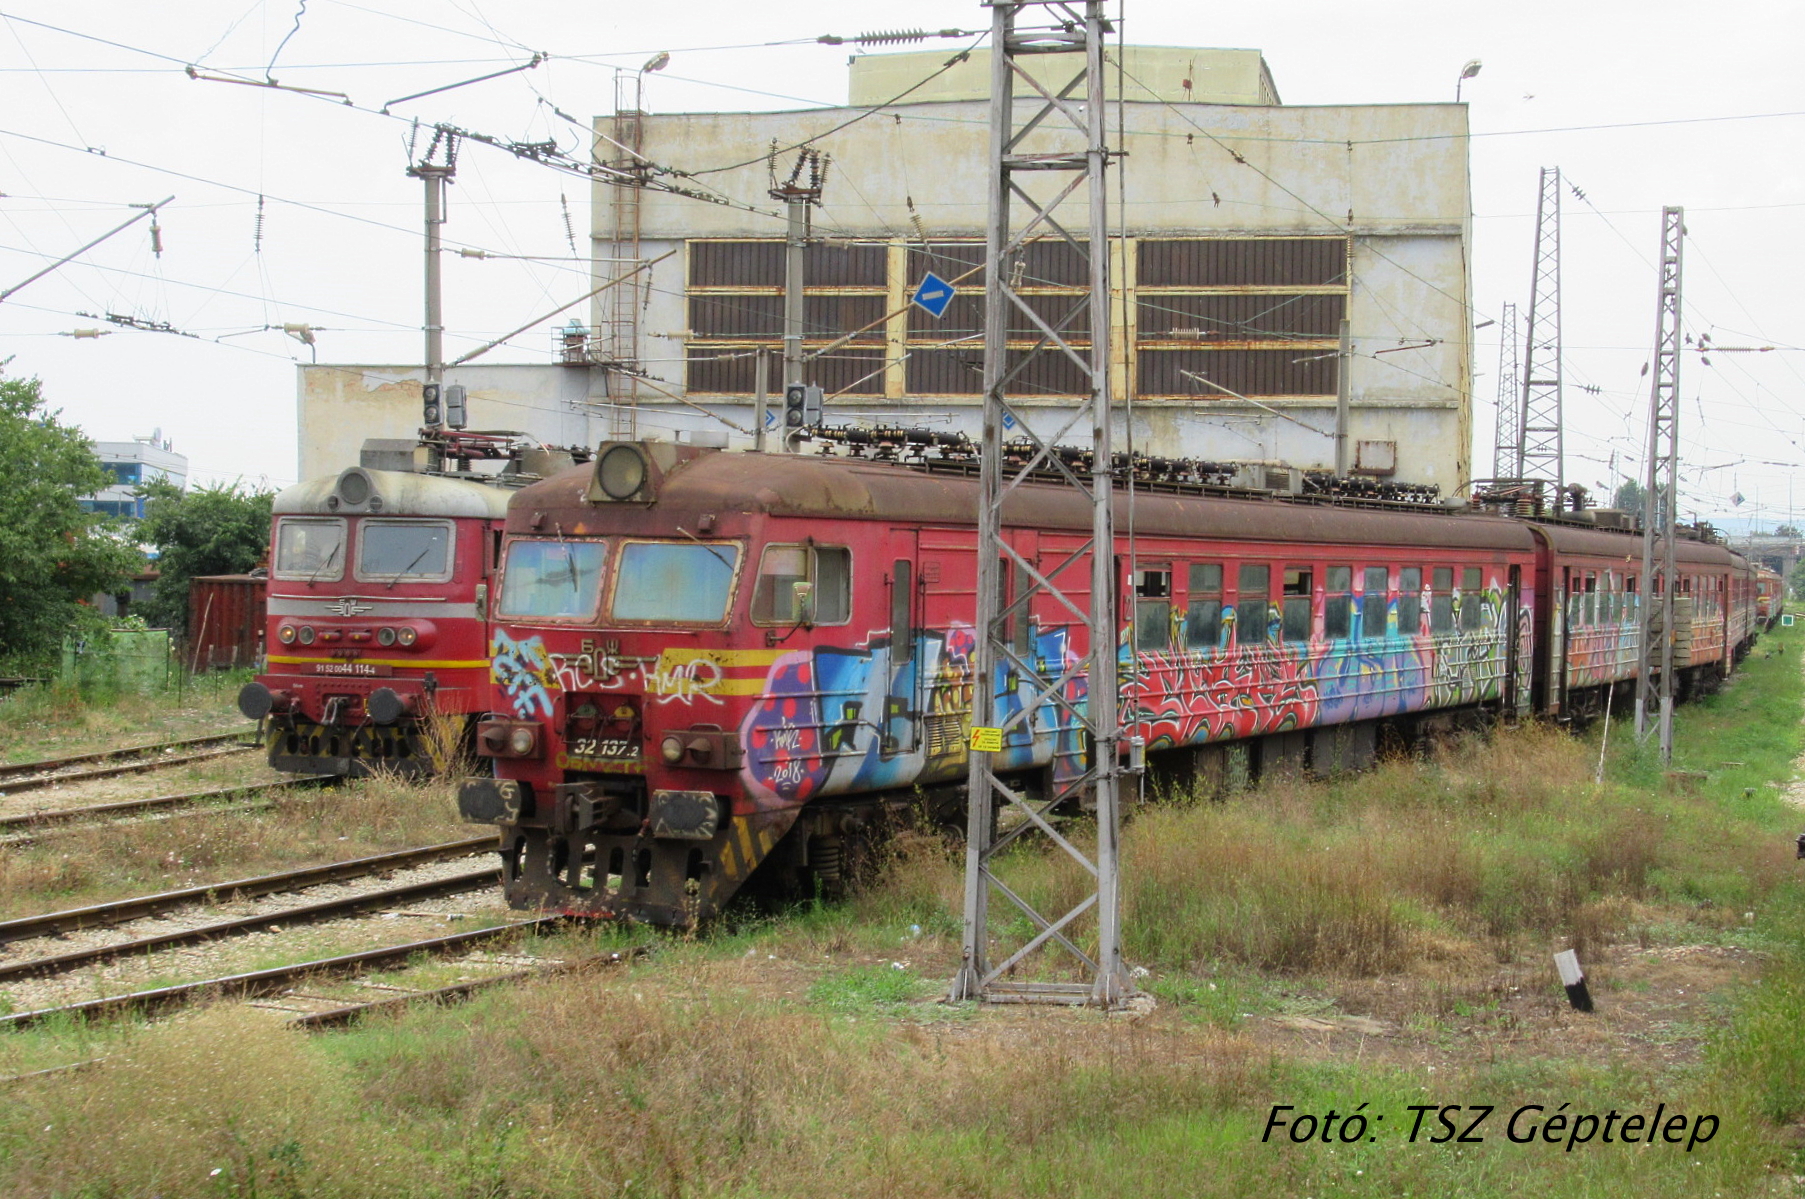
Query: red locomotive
{"x":709,"y":666}
{"x":1770,"y":597}
{"x":378,"y":585}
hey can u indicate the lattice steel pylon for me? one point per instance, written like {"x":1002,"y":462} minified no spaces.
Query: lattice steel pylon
{"x":1660,"y":491}
{"x":1050,"y":694}
{"x":1539,"y":448}
{"x":1506,"y":431}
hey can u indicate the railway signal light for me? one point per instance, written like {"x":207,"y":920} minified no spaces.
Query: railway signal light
{"x":456,"y":409}
{"x":802,"y":404}
{"x":432,"y":415}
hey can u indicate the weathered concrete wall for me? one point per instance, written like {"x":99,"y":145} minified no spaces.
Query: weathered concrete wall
{"x":341,"y":405}
{"x":1393,"y":177}
{"x":1176,"y":73}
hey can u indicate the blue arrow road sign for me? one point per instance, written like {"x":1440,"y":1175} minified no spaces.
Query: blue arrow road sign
{"x":933,"y":295}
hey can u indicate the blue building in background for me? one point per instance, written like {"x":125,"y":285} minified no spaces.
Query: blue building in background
{"x":132,"y":464}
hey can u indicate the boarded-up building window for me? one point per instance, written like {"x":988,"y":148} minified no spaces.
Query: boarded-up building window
{"x":736,"y":305}
{"x":1251,"y":316}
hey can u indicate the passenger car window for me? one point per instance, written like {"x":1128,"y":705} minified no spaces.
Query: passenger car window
{"x":1338,"y":603}
{"x":1373,"y":601}
{"x":1472,"y":598}
{"x":1253,"y":590}
{"x":1410,"y":600}
{"x":1153,"y":607}
{"x":1441,"y":600}
{"x":1294,"y":624}
{"x":1203,"y":611}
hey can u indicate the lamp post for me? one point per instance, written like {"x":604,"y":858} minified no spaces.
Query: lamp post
{"x":1466,"y":73}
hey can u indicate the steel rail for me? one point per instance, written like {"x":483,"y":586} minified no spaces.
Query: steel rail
{"x":273,"y":980}
{"x":11,"y":769}
{"x":138,"y":907}
{"x":304,"y":913}
{"x":340,"y":1017}
{"x":39,"y":782}
{"x":131,"y":807}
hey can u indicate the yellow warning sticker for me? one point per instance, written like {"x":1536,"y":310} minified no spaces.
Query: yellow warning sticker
{"x":986,"y":741}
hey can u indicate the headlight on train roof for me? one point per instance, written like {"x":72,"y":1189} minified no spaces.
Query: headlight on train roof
{"x":286,"y":634}
{"x":406,"y":635}
{"x":385,"y":636}
{"x":620,"y":472}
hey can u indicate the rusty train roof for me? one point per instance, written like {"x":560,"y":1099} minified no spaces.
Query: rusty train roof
{"x":401,"y":494}
{"x":723,"y":484}
{"x":1609,"y":543}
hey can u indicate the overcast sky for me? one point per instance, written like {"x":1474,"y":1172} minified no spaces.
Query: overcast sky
{"x":1640,"y":104}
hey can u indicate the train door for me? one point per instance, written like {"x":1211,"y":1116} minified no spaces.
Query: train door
{"x":907,"y":638}
{"x":1563,"y":610}
{"x":1513,"y":633}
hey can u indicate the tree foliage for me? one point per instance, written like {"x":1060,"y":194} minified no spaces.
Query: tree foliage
{"x":53,"y":553}
{"x":204,"y":531}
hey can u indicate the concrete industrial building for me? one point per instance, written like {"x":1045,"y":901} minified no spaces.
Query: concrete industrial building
{"x":1251,"y":229}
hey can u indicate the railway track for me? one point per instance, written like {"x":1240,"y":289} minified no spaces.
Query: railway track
{"x":49,"y":772}
{"x":119,"y":911}
{"x":27,"y":822}
{"x":277,"y":979}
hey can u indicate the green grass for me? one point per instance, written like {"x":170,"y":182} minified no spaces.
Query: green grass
{"x":789,"y":1057}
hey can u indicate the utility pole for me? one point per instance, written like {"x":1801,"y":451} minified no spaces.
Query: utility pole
{"x":798,"y":193}
{"x":1506,"y":440}
{"x":1344,"y":362}
{"x":435,"y":176}
{"x":1539,"y":446}
{"x":1045,"y":702}
{"x":1660,"y":500}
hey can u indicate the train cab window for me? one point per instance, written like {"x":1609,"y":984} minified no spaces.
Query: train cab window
{"x":1203,"y":609}
{"x":1153,"y":607}
{"x":553,"y":579}
{"x":392,"y":550}
{"x":1410,"y":600}
{"x":310,"y":548}
{"x":781,"y":567}
{"x":1373,"y":602}
{"x":1295,"y":614}
{"x":1338,"y":603}
{"x":1472,"y":598}
{"x":1441,"y":600}
{"x":683,"y":582}
{"x":1253,"y":589}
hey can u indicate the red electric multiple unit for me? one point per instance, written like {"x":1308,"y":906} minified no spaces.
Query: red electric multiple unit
{"x":719,"y":669}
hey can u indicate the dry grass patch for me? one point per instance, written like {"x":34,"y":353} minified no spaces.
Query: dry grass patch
{"x":93,"y":863}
